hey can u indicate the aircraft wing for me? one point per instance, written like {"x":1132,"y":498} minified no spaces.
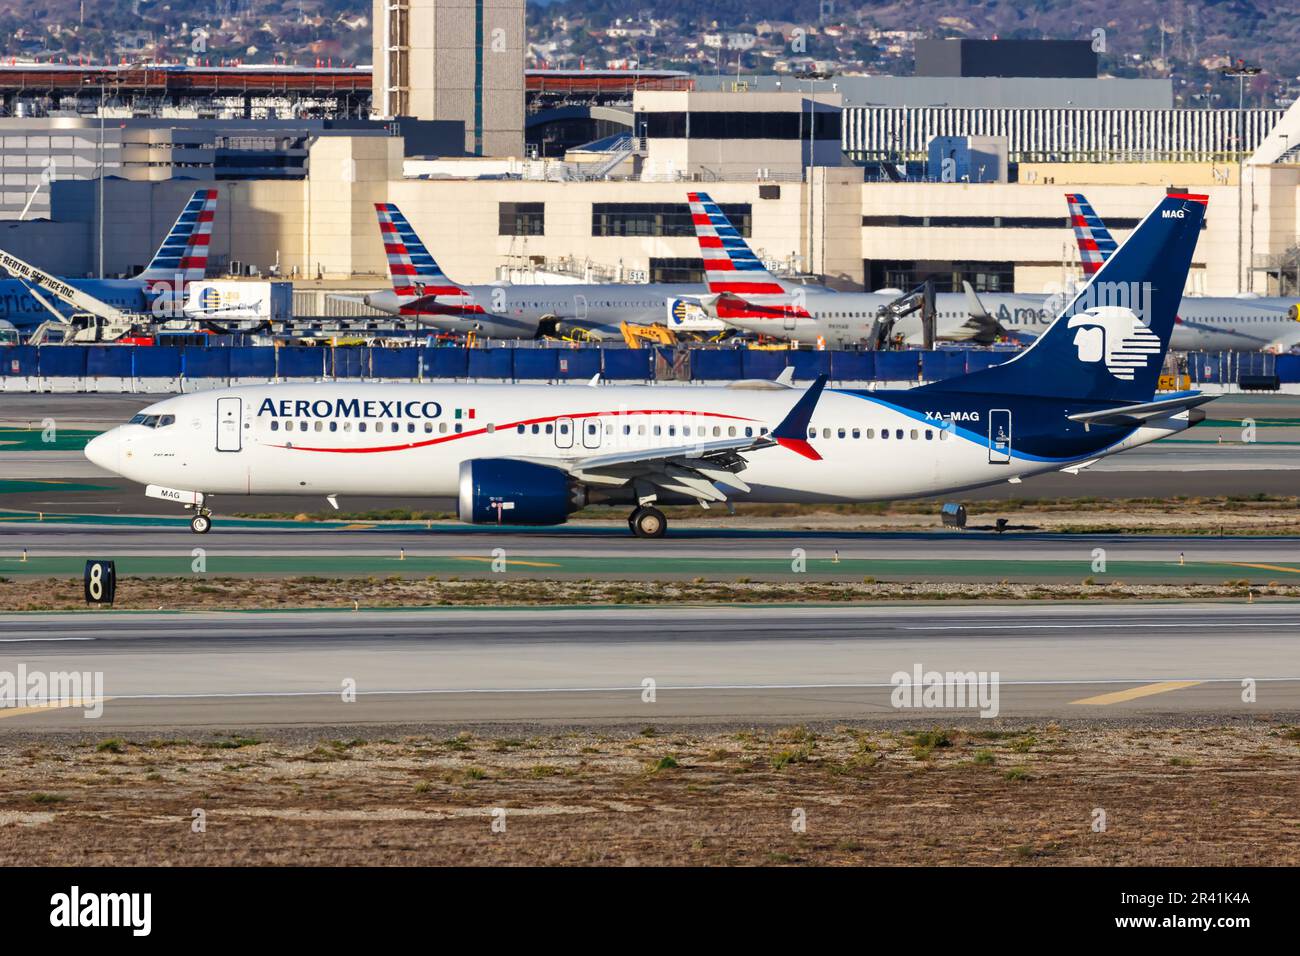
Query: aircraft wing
{"x":1143,"y":411}
{"x":706,"y":471}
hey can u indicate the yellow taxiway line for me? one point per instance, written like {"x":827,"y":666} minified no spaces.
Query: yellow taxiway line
{"x":1133,"y":693}
{"x":57,"y":705}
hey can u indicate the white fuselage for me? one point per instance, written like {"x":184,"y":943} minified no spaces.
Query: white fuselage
{"x":409,"y":440}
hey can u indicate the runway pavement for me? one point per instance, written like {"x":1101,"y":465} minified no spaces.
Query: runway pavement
{"x":579,"y":666}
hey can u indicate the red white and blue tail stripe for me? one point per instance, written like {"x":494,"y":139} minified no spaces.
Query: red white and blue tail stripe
{"x":414,"y":272}
{"x":183,"y":255}
{"x":1095,"y":241}
{"x":730,"y":266}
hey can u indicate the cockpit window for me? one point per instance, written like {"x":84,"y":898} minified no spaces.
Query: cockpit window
{"x":152,"y":421}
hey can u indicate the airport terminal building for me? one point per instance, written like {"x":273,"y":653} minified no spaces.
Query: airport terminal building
{"x":863,"y":182}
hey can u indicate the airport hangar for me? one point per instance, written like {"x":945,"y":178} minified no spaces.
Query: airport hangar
{"x":841,"y":179}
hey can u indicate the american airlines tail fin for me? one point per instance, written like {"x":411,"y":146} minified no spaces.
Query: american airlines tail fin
{"x":1096,"y":244}
{"x":730,"y":266}
{"x":184,"y":251}
{"x":414,"y":272}
{"x":1109,"y":343}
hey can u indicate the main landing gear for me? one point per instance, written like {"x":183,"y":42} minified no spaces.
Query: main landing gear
{"x":647,"y":522}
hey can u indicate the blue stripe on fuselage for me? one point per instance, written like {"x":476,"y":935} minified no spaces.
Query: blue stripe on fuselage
{"x":1040,"y":430}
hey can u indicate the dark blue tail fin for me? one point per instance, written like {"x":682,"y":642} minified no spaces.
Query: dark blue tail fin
{"x":1109,"y":344}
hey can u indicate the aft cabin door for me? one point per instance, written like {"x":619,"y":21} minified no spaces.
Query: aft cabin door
{"x":579,"y":307}
{"x":591,"y":428}
{"x":999,"y":436}
{"x":230,"y":423}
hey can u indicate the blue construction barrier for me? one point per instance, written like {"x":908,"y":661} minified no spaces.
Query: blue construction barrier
{"x":257,"y":363}
{"x":445,"y":362}
{"x":491,"y":363}
{"x":205,"y":363}
{"x":62,"y":362}
{"x":108,"y":361}
{"x":157,"y":362}
{"x":246,"y":361}
{"x":627,"y":365}
{"x":716,"y":365}
{"x":537,"y":364}
{"x":393,"y":363}
{"x":302,"y":361}
{"x":21,"y":360}
{"x":574,"y":364}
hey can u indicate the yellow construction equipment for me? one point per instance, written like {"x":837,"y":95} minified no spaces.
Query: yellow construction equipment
{"x":639,"y":336}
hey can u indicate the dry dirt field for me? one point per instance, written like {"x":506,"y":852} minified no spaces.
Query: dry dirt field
{"x":1028,"y":795}
{"x":231,"y":593}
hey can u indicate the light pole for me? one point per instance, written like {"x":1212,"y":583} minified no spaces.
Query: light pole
{"x":1240,"y":71}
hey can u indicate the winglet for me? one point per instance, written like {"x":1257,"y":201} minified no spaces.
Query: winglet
{"x":786,"y":377}
{"x":792,"y":433}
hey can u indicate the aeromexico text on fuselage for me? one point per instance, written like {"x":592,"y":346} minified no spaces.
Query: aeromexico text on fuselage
{"x":371,"y":408}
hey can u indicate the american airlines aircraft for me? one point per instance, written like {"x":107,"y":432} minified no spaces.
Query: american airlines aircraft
{"x":422,"y":291}
{"x":744,"y":294}
{"x":1243,"y":324}
{"x":533,"y":454}
{"x":181,"y":259}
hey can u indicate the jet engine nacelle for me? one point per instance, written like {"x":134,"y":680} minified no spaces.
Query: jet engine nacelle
{"x":509,"y":491}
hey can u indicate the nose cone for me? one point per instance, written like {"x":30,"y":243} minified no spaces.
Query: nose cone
{"x":102,"y":450}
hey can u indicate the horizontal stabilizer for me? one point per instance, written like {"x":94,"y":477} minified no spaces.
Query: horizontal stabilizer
{"x":1129,"y":415}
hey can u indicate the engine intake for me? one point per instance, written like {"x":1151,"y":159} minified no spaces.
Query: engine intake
{"x":508,"y":491}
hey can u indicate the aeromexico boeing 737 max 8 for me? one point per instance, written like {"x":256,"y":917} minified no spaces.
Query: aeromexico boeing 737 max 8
{"x":532,"y":454}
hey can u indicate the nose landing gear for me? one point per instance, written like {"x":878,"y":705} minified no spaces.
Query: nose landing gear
{"x":647,"y":522}
{"x":201,"y":523}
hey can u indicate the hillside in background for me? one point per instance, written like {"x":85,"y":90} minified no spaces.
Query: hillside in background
{"x":1188,"y":41}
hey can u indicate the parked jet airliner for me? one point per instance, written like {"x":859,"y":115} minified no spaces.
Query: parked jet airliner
{"x":1208,"y":323}
{"x":532,"y":454}
{"x":422,"y":291}
{"x":181,"y":259}
{"x":744,"y":294}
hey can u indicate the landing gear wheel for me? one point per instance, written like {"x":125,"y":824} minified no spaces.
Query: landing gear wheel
{"x":200,"y":524}
{"x":648,"y":523}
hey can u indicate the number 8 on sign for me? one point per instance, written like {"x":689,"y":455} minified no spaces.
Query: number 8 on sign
{"x":100,"y":582}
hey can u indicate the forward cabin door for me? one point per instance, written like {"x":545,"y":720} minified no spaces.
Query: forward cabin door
{"x":999,"y":436}
{"x":230,"y":423}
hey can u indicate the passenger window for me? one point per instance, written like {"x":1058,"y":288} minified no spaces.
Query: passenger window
{"x":717,"y":431}
{"x":871,"y":433}
{"x":549,"y":429}
{"x":929,"y":435}
{"x":857,"y":433}
{"x":912,"y":435}
{"x":659,"y":430}
{"x":519,"y":429}
{"x":275,"y":425}
{"x":812,"y":432}
{"x":884,"y":433}
{"x":459,"y":428}
{"x":749,"y":431}
{"x":361,"y":426}
{"x":898,"y":433}
{"x":334,"y":426}
{"x":564,"y":429}
{"x":318,"y":425}
{"x":731,"y":431}
{"x":347,"y":426}
{"x":537,"y":430}
{"x":410,"y":427}
{"x":840,"y":433}
{"x":288,"y":426}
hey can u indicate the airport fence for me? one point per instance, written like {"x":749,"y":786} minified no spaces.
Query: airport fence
{"x":115,"y":368}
